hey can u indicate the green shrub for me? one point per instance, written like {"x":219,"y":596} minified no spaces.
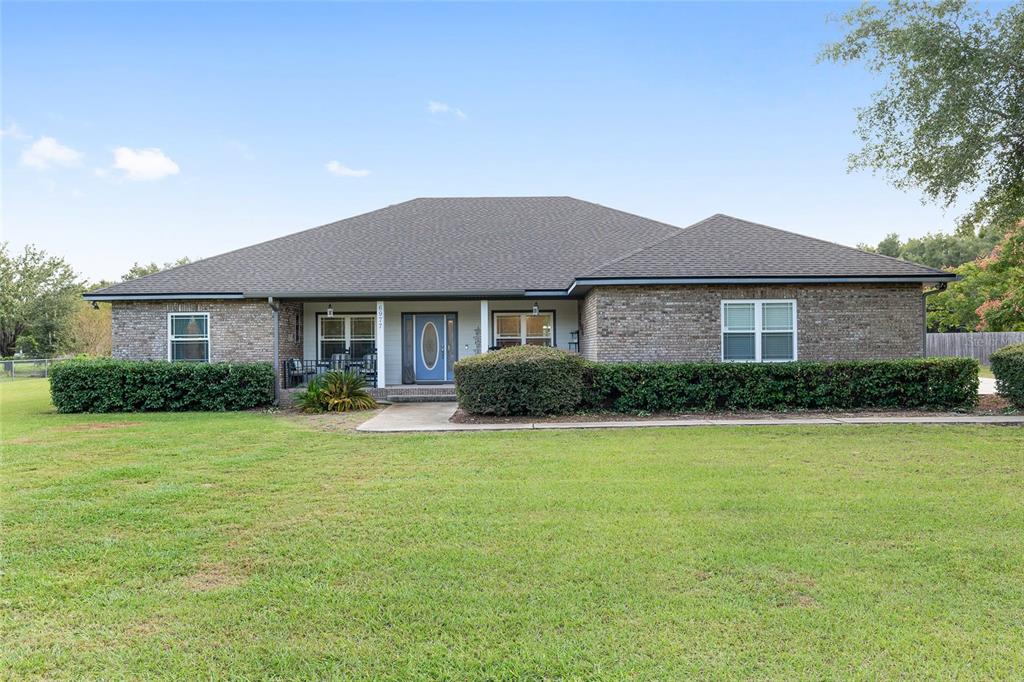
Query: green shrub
{"x":535,"y":381}
{"x":1008,"y":368}
{"x":155,"y":386}
{"x":929,"y":383}
{"x":336,"y":392}
{"x":529,"y":380}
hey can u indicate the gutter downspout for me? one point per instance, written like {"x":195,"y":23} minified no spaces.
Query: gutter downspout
{"x":276,"y":307}
{"x":941,"y":286}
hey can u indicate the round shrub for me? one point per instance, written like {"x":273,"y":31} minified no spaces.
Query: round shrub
{"x":521,"y":380}
{"x":1008,"y":368}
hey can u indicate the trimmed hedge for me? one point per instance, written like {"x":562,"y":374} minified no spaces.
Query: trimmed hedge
{"x":535,"y":381}
{"x":931,"y":383}
{"x":1008,"y":368}
{"x":156,"y":386}
{"x":527,"y":380}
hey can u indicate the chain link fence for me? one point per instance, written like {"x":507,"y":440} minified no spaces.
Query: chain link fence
{"x":27,"y":368}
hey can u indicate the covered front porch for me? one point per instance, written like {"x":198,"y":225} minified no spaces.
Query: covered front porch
{"x":413,"y":343}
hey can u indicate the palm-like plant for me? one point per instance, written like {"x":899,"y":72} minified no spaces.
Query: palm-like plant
{"x":336,"y":392}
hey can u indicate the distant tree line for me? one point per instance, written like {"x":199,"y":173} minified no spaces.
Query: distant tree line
{"x":989,"y":296}
{"x":42,"y":312}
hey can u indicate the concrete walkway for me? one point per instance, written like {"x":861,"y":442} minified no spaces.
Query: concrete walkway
{"x":986,"y":386}
{"x":405,"y":417}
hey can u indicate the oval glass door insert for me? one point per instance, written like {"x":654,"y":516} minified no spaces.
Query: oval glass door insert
{"x":429,"y":345}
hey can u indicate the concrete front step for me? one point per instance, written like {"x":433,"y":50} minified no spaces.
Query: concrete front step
{"x":415,"y":393}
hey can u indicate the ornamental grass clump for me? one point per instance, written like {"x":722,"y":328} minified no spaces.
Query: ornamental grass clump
{"x":336,"y":392}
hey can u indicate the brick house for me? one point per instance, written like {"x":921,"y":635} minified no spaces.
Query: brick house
{"x":404,"y":291}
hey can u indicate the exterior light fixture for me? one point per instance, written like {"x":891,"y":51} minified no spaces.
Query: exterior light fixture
{"x":536,"y":308}
{"x":330,"y":310}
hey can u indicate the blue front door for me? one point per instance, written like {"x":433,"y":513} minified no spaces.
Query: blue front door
{"x":429,"y":346}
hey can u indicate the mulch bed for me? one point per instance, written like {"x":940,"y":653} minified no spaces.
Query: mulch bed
{"x":988,"y":405}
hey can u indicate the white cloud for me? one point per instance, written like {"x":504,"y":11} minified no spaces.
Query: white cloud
{"x":144,"y":164}
{"x":442,"y":108}
{"x":14,"y":132}
{"x":46,"y":152}
{"x":338,"y":169}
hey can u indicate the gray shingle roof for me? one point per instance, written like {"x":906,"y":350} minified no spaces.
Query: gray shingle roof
{"x":723,"y":246}
{"x":505,"y":244}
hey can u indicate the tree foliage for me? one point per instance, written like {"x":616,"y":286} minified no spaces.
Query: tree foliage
{"x":990,"y":293}
{"x":937,"y":250}
{"x":141,"y":270}
{"x":41,"y":309}
{"x":38,"y":297}
{"x":91,"y":330}
{"x":949,"y":120}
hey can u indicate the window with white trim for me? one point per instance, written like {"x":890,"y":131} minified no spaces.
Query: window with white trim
{"x":188,"y":337}
{"x":524,"y":329}
{"x":758,"y":331}
{"x":355,"y":334}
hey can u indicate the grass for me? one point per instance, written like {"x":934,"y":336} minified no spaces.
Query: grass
{"x":985,"y":371}
{"x":255,"y":545}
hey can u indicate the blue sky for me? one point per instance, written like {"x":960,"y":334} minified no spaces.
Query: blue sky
{"x":139,"y":132}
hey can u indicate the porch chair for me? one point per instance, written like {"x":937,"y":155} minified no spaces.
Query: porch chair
{"x":339,"y":362}
{"x":297,"y":372}
{"x":369,"y":369}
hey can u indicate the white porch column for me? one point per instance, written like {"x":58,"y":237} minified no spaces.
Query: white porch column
{"x":380,"y":344}
{"x":485,"y":326}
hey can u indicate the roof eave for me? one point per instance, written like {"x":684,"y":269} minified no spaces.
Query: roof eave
{"x":311,"y":295}
{"x":584,"y":283}
{"x":580,"y":285}
{"x":190,"y":296}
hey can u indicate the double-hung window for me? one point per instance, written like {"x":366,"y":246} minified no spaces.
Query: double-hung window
{"x":758,"y":331}
{"x":188,"y":337}
{"x":355,"y":334}
{"x":524,"y":329}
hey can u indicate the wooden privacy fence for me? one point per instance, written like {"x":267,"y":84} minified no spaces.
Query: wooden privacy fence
{"x":978,"y":345}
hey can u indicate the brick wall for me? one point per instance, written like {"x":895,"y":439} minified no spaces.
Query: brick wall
{"x":290,"y":338}
{"x":683,"y":323}
{"x":240,"y":331}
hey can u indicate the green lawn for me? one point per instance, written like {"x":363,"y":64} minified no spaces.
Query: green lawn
{"x":255,"y":545}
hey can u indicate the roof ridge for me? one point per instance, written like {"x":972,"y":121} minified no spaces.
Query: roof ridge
{"x":824,"y":241}
{"x":500,"y":196}
{"x":634,"y":252}
{"x":633,"y":215}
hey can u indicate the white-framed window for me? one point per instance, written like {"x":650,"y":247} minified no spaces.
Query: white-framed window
{"x":524,"y":329}
{"x":759,"y":331}
{"x":355,"y":334}
{"x":188,"y":337}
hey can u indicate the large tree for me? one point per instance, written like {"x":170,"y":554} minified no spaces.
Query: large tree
{"x":949,"y":119}
{"x":38,"y":296}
